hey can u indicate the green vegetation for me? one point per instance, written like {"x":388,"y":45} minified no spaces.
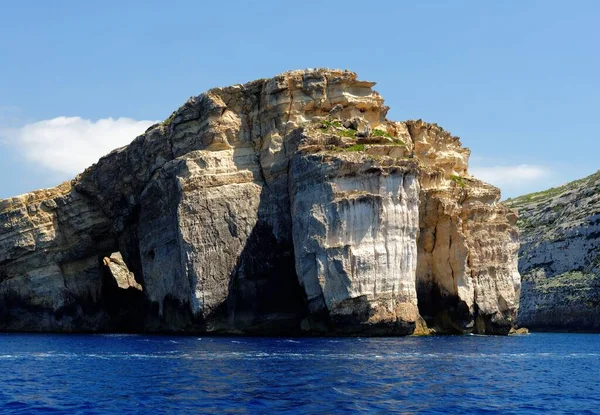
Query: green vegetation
{"x":524,"y":223}
{"x":381,"y":133}
{"x":346,"y":133}
{"x":356,"y":147}
{"x":338,"y":129}
{"x":167,"y":122}
{"x":573,"y":279}
{"x":460,"y":181}
{"x":552,"y":192}
{"x":328,"y":124}
{"x":536,"y":197}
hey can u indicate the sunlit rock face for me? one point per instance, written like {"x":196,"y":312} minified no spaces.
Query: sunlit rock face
{"x":467,"y":273}
{"x":355,"y":226}
{"x":284,"y":205}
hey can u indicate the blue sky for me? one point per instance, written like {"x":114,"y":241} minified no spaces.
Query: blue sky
{"x":518,"y":81}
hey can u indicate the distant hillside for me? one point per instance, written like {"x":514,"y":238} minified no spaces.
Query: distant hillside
{"x":559,"y":259}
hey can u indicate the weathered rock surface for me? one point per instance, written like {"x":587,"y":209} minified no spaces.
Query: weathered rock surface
{"x":123,"y":277}
{"x":559,"y":257}
{"x":467,"y":268}
{"x":355,"y":226}
{"x":283,"y":205}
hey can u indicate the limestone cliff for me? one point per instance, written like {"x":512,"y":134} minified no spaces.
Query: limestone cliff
{"x":284,"y":205}
{"x":560,"y":256}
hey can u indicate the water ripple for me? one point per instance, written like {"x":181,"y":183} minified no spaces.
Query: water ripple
{"x":67,"y":374}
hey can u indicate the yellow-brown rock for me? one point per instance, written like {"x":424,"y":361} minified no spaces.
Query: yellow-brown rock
{"x":279,"y":206}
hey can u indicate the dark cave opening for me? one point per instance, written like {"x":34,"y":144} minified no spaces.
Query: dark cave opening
{"x":126,"y":308}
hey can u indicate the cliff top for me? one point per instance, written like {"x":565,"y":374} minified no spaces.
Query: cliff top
{"x":554,"y":210}
{"x":553,"y":192}
{"x":307,"y":73}
{"x":260,"y":112}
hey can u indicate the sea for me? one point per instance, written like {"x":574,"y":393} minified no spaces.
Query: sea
{"x":130,"y":374}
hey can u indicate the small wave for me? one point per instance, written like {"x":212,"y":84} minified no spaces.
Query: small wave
{"x":342,"y":392}
{"x":155,"y":356}
{"x":97,"y":356}
{"x":116,"y":335}
{"x":314,"y":355}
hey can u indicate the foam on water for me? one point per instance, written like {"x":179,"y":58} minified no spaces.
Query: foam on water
{"x":307,"y":355}
{"x":539,"y":373}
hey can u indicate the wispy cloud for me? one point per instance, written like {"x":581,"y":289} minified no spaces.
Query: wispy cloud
{"x":70,"y":144}
{"x":515,"y":180}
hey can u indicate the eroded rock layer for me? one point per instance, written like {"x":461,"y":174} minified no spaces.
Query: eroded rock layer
{"x":284,"y":205}
{"x":560,"y":256}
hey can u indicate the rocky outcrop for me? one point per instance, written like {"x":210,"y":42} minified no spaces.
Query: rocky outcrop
{"x":118,"y":269}
{"x":467,"y":268}
{"x":284,"y":205}
{"x":560,"y":257}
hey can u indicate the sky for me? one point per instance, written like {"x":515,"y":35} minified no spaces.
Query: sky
{"x":518,"y":81}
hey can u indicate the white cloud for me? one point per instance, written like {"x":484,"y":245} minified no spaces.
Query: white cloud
{"x":515,"y":180}
{"x":500,"y":175}
{"x":70,"y":144}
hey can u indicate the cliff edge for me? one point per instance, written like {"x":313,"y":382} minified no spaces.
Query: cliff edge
{"x":560,"y":256}
{"x":284,"y":205}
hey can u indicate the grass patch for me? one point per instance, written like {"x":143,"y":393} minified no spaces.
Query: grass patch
{"x":356,"y":147}
{"x":460,"y":181}
{"x":381,"y":133}
{"x":168,"y":121}
{"x":329,"y":124}
{"x":538,"y":197}
{"x":346,"y":133}
{"x":571,"y":279}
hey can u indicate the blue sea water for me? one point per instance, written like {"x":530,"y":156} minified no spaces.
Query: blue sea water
{"x":89,"y":374}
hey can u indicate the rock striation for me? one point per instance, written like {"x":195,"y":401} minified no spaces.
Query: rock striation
{"x":284,"y":205}
{"x":559,"y":257}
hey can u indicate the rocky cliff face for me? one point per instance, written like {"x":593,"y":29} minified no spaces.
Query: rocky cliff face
{"x":560,"y":257}
{"x":283,"y":205}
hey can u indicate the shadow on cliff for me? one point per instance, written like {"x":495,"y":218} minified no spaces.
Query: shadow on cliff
{"x":447,"y":314}
{"x":111,"y":310}
{"x":264,"y":294}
